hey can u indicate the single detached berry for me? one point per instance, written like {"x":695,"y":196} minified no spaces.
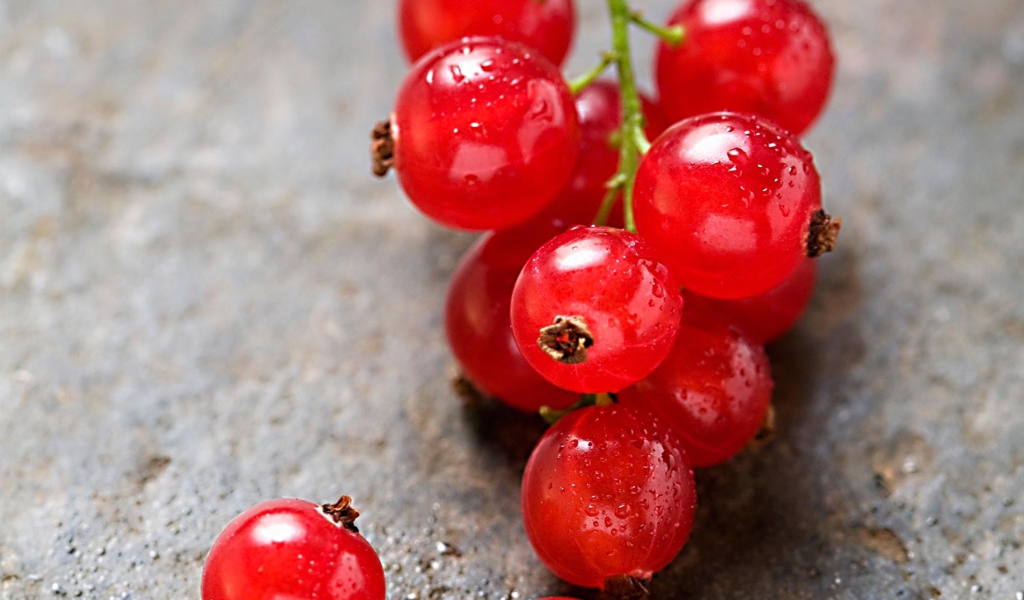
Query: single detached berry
{"x":594,"y":310}
{"x":767,"y":316}
{"x":733,"y":203}
{"x":477,"y":322}
{"x":713,"y":389}
{"x":546,"y":25}
{"x":608,"y":494}
{"x":768,"y":57}
{"x":600,"y":116}
{"x":291,"y":548}
{"x":484,"y":134}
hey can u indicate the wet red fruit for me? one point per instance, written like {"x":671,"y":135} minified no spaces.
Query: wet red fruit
{"x":607,"y":492}
{"x":594,"y":310}
{"x":291,"y":548}
{"x":484,"y":134}
{"x":713,"y":389}
{"x":547,"y":25}
{"x":767,"y":316}
{"x":730,"y":200}
{"x":478,"y":325}
{"x":768,"y":57}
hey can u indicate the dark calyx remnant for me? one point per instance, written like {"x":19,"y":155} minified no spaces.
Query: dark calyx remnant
{"x":766,"y":435}
{"x":566,"y":340}
{"x":382,"y":150}
{"x":624,"y":587}
{"x":468,"y":392}
{"x":343,"y":513}
{"x":822,"y":234}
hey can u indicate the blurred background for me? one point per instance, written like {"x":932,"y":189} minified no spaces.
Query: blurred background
{"x":207,"y":301}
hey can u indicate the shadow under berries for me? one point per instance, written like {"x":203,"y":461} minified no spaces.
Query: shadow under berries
{"x":502,"y":434}
{"x":771,"y":515}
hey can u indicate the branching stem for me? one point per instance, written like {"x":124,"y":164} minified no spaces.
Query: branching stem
{"x":580,"y":83}
{"x":672,"y":35}
{"x":614,"y":186}
{"x":634,"y":142}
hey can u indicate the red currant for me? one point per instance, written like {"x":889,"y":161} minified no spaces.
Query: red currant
{"x":767,"y":316}
{"x":291,"y":548}
{"x":713,"y":389}
{"x":608,"y":492}
{"x":484,"y":134}
{"x":547,"y":25}
{"x":733,"y":203}
{"x":600,"y":116}
{"x":594,"y":310}
{"x":476,"y":319}
{"x":768,"y":57}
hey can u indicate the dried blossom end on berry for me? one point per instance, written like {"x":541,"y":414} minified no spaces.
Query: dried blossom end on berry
{"x":567,"y":339}
{"x":382,"y":148}
{"x":822,"y":233}
{"x":342,"y":513}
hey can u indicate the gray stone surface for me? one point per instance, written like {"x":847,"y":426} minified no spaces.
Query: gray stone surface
{"x":205,"y":302}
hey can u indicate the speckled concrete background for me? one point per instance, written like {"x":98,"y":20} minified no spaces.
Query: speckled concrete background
{"x":206,"y":301}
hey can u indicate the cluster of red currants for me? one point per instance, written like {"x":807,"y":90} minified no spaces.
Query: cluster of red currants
{"x":659,"y":320}
{"x":625,"y":287}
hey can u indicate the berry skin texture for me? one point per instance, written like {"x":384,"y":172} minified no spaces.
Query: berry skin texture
{"x":713,"y":389}
{"x":728,"y":200}
{"x":608,"y":308}
{"x":485,"y":134}
{"x":767,"y":57}
{"x":289,"y":548}
{"x":478,"y":325}
{"x":766,"y":317}
{"x":608,"y":491}
{"x":547,"y":26}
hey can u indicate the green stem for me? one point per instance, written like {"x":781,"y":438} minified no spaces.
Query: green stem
{"x":552,"y":415}
{"x":614,"y":186}
{"x":578,"y":84}
{"x":633,"y":139}
{"x":642,"y":145}
{"x":672,"y":35}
